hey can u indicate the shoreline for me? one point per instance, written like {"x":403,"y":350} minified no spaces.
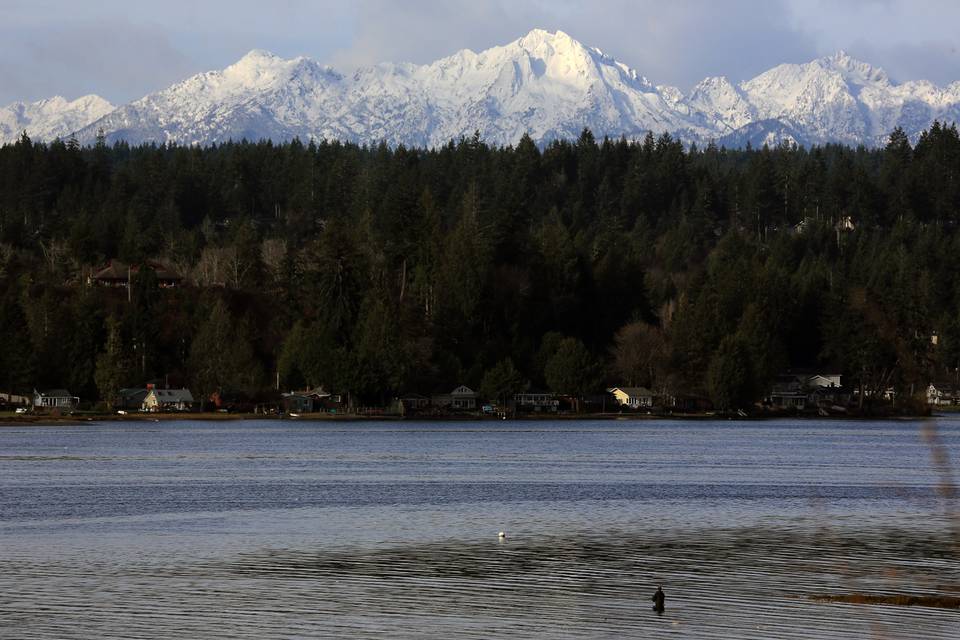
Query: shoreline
{"x":17,"y":420}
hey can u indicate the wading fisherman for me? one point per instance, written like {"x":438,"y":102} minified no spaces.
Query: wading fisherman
{"x":658,"y":599}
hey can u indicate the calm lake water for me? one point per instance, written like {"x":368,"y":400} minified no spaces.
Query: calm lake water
{"x":389,"y":530}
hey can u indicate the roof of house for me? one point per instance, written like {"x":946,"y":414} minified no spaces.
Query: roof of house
{"x":116,"y":270}
{"x":827,"y":387}
{"x":633,"y":392}
{"x":463,"y":390}
{"x":172,"y":395}
{"x":55,"y":393}
{"x":788,"y":393}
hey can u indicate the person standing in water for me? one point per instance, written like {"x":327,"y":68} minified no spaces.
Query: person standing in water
{"x":658,"y":599}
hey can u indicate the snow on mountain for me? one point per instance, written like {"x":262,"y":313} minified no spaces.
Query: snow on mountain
{"x":259,"y":96}
{"x":722,"y":106}
{"x":840,"y":99}
{"x":51,"y":118}
{"x":547,"y":85}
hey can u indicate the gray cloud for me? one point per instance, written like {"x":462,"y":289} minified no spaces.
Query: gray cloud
{"x":87,"y":59}
{"x":421,"y":31}
{"x":938,"y":62}
{"x":123,"y":49}
{"x":911,"y":39}
{"x":680,"y":43}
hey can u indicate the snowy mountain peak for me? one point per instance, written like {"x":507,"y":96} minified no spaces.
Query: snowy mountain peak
{"x":854,"y":70}
{"x":50,"y":118}
{"x":259,"y":66}
{"x":713,"y":85}
{"x":259,"y":56}
{"x":561,"y":54}
{"x":56,"y":102}
{"x":92,"y":102}
{"x":558,"y":40}
{"x":722,"y":105}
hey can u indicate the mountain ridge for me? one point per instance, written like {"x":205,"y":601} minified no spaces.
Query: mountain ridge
{"x":51,"y":117}
{"x":547,"y":85}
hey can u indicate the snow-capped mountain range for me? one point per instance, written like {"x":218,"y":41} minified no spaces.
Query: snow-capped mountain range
{"x":545,"y":84}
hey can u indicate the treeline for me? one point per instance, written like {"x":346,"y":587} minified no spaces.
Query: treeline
{"x":375,"y":271}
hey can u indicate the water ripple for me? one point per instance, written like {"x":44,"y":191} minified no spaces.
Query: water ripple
{"x":744,"y":583}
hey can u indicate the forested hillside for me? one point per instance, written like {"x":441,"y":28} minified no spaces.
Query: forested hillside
{"x":380,"y":271}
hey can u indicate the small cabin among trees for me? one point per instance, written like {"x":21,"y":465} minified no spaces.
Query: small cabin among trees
{"x":119,"y":274}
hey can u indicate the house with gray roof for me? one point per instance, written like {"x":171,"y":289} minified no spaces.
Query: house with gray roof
{"x":633,"y":397}
{"x":55,"y":399}
{"x":168,"y":400}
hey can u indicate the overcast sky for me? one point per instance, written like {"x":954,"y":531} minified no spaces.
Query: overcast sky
{"x":124,"y":49}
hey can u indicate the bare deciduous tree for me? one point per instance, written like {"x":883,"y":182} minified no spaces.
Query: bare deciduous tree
{"x":273,"y":251}
{"x":211,"y":269}
{"x":639,"y":354}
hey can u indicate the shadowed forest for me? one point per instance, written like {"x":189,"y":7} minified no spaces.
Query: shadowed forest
{"x":377,"y":271}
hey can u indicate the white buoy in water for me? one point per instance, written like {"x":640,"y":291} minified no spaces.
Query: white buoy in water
{"x":501,"y":535}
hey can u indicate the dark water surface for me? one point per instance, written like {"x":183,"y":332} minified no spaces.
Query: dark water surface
{"x":389,"y":530}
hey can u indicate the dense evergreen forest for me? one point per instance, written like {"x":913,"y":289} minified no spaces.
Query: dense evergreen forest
{"x":376,"y":271}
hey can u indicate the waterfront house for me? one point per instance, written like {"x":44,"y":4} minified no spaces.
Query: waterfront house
{"x":797,"y":390}
{"x":633,"y":397}
{"x":295,"y":402}
{"x":463,"y":398}
{"x":408,"y":404}
{"x":55,"y":399}
{"x":819,"y":380}
{"x":598,"y":402}
{"x":326,"y":401}
{"x":942,"y":393}
{"x":788,"y":392}
{"x":687,"y":402}
{"x":414,"y":402}
{"x":168,"y":400}
{"x":14,"y":399}
{"x":132,"y":398}
{"x":537,"y":402}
